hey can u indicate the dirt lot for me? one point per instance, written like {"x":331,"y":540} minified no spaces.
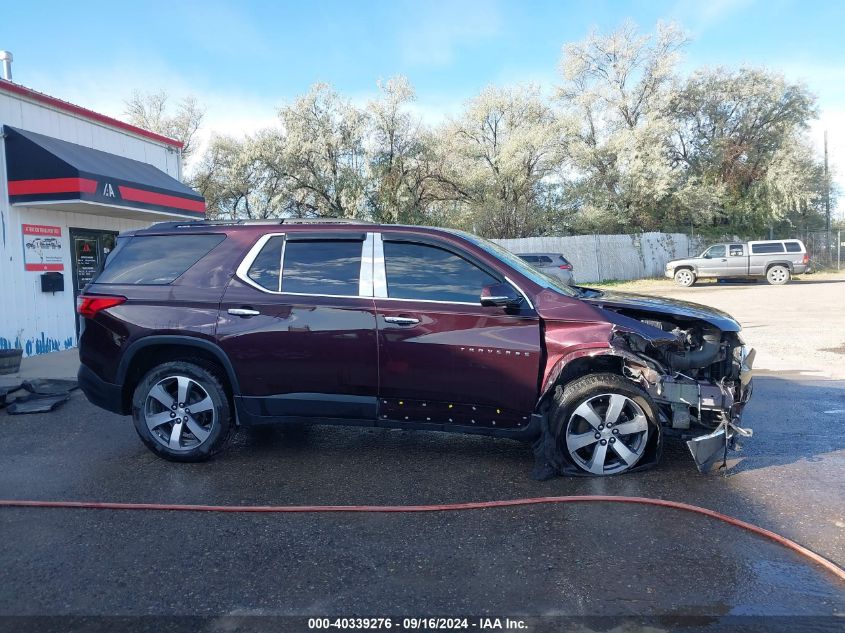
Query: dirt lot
{"x":796,"y":328}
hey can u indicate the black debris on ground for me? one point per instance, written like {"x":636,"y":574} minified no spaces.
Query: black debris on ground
{"x":50,"y":387}
{"x":36,"y":404}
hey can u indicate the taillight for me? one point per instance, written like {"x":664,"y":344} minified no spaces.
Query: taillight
{"x":89,"y":305}
{"x":806,"y":259}
{"x":566,"y":267}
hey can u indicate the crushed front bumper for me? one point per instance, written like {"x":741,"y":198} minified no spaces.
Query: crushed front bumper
{"x":688,"y":402}
{"x":710,"y":451}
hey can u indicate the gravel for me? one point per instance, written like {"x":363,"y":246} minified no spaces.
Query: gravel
{"x":798,"y":328}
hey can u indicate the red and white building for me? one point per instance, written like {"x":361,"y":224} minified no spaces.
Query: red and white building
{"x":70,"y":180}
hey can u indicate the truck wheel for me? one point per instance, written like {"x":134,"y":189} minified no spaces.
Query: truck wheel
{"x":602,"y":423}
{"x":778,"y":275}
{"x":684,"y":277}
{"x":182,"y":412}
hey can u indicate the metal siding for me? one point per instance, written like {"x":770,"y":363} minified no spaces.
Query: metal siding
{"x":44,"y":120}
{"x":46,"y":321}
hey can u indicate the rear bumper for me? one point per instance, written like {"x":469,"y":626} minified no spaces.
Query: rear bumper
{"x":99,"y":392}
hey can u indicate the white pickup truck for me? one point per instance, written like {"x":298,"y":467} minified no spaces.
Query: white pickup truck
{"x":774,"y":260}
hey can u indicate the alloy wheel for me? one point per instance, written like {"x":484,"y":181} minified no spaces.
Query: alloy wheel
{"x":179,"y":413}
{"x":684,"y":277}
{"x":607,"y":434}
{"x":778,"y":275}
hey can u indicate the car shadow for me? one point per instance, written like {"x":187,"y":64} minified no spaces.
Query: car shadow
{"x":803,"y":281}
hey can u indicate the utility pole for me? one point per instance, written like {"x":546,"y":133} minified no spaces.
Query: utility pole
{"x":826,"y":187}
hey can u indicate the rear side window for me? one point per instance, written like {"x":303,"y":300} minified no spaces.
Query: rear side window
{"x":767,"y":247}
{"x":531,"y":259}
{"x":428,"y":273}
{"x":792,"y":247}
{"x":155,"y":259}
{"x":736,"y":250}
{"x":265,"y":267}
{"x":322,"y":268}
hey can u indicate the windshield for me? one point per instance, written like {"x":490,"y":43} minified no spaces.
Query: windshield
{"x":504,"y":255}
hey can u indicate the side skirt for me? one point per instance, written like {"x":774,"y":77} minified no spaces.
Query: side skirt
{"x":249,"y":415}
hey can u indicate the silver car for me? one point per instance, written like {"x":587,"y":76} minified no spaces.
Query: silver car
{"x":774,"y":260}
{"x":551,"y":264}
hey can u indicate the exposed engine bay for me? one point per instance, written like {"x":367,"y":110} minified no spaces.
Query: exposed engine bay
{"x":698,"y":375}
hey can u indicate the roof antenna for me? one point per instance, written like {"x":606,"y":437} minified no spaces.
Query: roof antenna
{"x":6,"y":59}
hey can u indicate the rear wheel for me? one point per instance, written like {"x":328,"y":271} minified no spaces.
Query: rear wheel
{"x":181,"y":412}
{"x":778,"y":275}
{"x":684,"y":277}
{"x":603,"y":423}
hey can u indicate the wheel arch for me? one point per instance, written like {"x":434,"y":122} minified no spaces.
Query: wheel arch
{"x":787,"y":264}
{"x":143,"y":354}
{"x":576,"y":364}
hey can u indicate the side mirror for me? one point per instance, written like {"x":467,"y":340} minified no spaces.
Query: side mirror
{"x":501,"y":295}
{"x":706,"y":255}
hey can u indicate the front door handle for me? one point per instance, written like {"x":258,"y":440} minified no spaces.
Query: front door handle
{"x":243,"y":312}
{"x":400,"y":320}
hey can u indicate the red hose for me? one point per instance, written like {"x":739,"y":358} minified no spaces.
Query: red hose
{"x":472,"y":505}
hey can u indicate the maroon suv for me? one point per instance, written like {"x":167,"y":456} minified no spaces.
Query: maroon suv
{"x":196,"y":328}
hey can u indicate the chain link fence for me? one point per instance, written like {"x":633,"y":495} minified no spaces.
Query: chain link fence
{"x":825,"y":248}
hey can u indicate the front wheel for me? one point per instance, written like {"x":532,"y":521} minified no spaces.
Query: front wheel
{"x":685,"y":277}
{"x":778,"y":275}
{"x":603,"y":423}
{"x":181,"y":412}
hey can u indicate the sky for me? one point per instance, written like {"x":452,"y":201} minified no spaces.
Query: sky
{"x":244,"y":59}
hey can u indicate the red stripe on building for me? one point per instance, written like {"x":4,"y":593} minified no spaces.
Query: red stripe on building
{"x":44,"y":267}
{"x":150,"y":197}
{"x":52,"y":185}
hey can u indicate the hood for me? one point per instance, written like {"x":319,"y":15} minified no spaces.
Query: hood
{"x":683,"y":259}
{"x":661,"y":305}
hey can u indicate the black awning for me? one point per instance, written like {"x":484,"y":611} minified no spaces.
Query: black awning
{"x":44,"y":169}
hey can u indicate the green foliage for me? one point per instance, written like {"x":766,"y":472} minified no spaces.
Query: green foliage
{"x":627,"y":144}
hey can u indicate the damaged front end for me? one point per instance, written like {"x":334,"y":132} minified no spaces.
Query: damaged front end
{"x":698,"y":375}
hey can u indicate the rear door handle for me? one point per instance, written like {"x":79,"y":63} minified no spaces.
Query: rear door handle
{"x":400,"y":320}
{"x":243,"y":312}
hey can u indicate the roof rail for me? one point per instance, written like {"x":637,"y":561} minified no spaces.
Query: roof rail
{"x":324,"y":221}
{"x":269,"y":221}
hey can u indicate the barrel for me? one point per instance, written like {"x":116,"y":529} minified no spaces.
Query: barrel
{"x":10,"y":360}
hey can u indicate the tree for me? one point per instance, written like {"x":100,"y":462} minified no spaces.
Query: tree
{"x":618,"y":87}
{"x":238,"y":179}
{"x":504,"y":154}
{"x":406,"y":177}
{"x":321,"y":154}
{"x":735,"y":133}
{"x":151,"y":111}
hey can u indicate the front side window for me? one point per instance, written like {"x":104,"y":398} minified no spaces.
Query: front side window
{"x":330,"y":267}
{"x":429,"y":273}
{"x":716,"y":251}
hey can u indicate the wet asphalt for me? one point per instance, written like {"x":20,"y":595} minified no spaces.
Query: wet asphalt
{"x":571,"y":560}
